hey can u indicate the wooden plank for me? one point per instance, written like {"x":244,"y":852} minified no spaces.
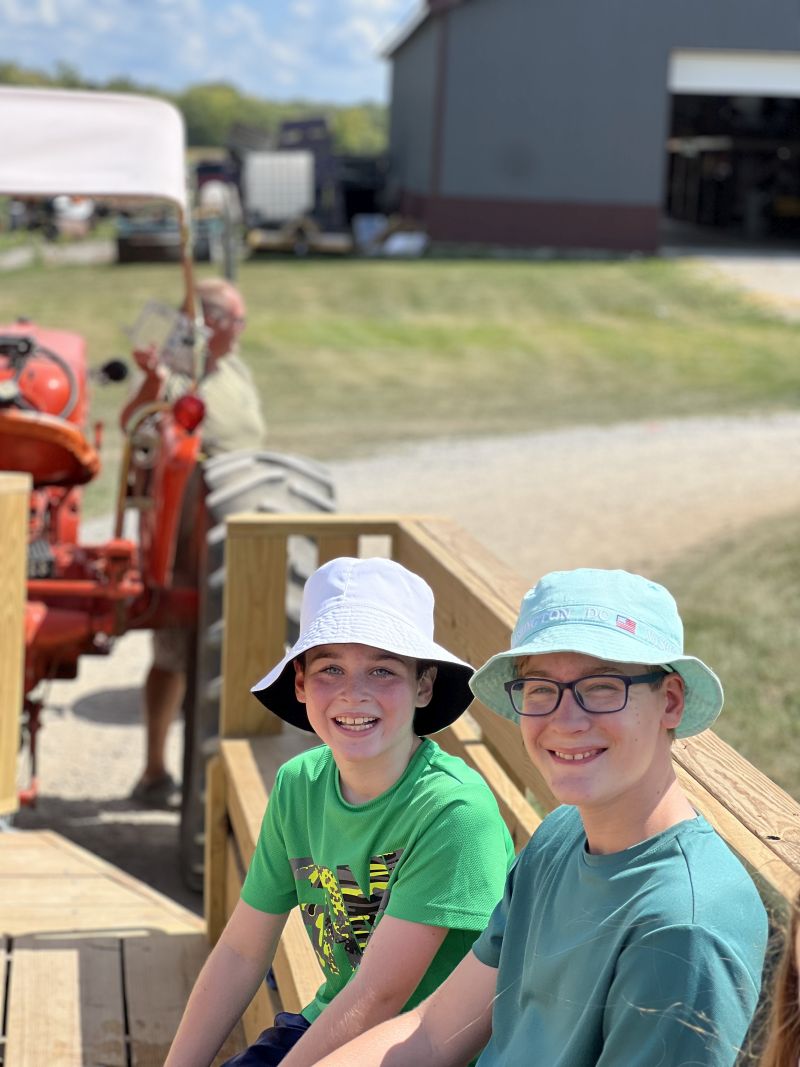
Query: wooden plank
{"x":297,"y":971}
{"x":250,"y":767}
{"x":249,"y":524}
{"x":234,"y":876}
{"x":265,"y":1005}
{"x":270,"y":753}
{"x":216,"y":827}
{"x":260,"y":1013}
{"x":254,"y":610}
{"x":14,"y":496}
{"x":504,"y":740}
{"x":476,"y":595}
{"x":71,"y":890}
{"x":758,"y":857}
{"x":474,"y":618}
{"x":65,"y":1004}
{"x":464,"y":740}
{"x":331,"y":546}
{"x":247,"y":795}
{"x":160,"y":972}
{"x":762,"y":807}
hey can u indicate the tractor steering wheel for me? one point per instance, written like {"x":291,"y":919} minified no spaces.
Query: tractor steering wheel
{"x":18,"y":349}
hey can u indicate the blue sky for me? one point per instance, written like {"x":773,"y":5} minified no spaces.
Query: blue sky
{"x":326,"y":50}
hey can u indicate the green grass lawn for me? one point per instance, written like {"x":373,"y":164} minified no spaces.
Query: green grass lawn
{"x":739,"y":601}
{"x":350,"y":355}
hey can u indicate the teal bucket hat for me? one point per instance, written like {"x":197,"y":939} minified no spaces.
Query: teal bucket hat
{"x":611,"y":615}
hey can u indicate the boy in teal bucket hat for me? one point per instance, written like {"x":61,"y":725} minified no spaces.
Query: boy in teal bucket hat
{"x":629,"y":935}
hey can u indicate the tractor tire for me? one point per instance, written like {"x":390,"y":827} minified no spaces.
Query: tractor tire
{"x":234,"y":482}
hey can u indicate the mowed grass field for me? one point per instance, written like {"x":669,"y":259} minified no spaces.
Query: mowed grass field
{"x":353,"y":355}
{"x":740,"y":603}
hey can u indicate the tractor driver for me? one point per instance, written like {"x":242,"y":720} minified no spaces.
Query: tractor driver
{"x":233,"y":421}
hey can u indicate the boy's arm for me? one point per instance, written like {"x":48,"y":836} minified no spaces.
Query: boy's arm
{"x":226,"y":985}
{"x":397,"y":956}
{"x":446,"y":1030}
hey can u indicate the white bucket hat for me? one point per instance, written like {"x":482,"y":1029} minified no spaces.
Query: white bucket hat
{"x":612,"y":615}
{"x":374,"y":602}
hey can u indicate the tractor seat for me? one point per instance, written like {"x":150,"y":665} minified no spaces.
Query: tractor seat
{"x":52,"y":451}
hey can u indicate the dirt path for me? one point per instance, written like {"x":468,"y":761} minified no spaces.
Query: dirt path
{"x":632,"y":495}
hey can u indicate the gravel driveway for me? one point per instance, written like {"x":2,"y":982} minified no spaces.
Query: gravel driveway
{"x":631,"y":495}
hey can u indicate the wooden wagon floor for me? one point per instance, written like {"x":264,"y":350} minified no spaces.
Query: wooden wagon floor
{"x":96,"y":966}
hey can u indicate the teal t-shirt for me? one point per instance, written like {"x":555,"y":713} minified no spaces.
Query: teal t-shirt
{"x":433,"y":849}
{"x":650,"y":956}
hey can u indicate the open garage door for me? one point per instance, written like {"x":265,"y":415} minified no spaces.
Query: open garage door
{"x":733,"y":152}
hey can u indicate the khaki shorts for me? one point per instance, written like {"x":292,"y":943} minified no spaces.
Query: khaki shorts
{"x":170,"y":649}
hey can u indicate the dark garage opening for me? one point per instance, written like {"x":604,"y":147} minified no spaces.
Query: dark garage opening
{"x":733,"y":169}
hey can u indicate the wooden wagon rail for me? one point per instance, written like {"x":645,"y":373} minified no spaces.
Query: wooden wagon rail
{"x":477,"y":599}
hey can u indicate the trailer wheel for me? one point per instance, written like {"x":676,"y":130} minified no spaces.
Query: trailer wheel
{"x":236,"y":482}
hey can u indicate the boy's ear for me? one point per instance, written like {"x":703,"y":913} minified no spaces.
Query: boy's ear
{"x":299,"y":681}
{"x":673,"y":689}
{"x":425,"y":687}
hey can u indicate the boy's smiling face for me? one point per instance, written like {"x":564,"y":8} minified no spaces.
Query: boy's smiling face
{"x":360,"y":702}
{"x":609,"y":764}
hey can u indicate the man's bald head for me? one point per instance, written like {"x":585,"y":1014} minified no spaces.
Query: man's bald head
{"x":224,"y":314}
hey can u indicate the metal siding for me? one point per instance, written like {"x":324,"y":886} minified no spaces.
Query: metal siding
{"x":412,"y":110}
{"x":567,"y":101}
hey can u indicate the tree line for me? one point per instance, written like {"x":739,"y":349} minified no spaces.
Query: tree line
{"x":211,"y":109}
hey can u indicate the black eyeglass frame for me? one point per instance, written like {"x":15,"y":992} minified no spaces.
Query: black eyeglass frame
{"x":628,"y":679}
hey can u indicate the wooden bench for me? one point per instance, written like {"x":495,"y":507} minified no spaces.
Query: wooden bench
{"x":477,"y":599}
{"x":95,"y":966}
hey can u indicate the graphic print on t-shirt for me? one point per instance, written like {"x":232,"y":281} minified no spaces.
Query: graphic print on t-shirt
{"x":346,"y":917}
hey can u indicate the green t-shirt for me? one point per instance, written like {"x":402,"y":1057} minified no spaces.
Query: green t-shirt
{"x":650,"y":956}
{"x":433,"y":849}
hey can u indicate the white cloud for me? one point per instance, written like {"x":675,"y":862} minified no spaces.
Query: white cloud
{"x":305,"y":10}
{"x":361,"y":32}
{"x":322,"y":48}
{"x":22,"y":13}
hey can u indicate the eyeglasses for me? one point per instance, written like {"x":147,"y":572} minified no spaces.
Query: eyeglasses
{"x":216,"y":315}
{"x":599,"y":694}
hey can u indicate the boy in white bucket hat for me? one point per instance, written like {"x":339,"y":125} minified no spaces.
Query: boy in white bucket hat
{"x":394,"y":850}
{"x":629,"y":935}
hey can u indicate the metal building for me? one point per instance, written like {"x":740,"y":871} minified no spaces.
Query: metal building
{"x":578,"y":123}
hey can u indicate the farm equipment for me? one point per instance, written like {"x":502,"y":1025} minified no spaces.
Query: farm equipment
{"x":82,"y":596}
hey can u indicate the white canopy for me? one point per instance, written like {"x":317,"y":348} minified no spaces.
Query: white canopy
{"x":93,"y":144}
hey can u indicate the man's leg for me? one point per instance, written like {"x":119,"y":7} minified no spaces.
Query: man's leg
{"x":163,"y":695}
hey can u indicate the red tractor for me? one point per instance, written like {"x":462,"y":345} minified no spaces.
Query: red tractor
{"x":82,"y":596}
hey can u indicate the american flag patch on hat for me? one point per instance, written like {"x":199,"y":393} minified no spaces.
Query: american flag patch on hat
{"x":624,"y":623}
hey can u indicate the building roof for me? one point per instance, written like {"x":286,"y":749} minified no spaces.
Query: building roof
{"x":417,"y":19}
